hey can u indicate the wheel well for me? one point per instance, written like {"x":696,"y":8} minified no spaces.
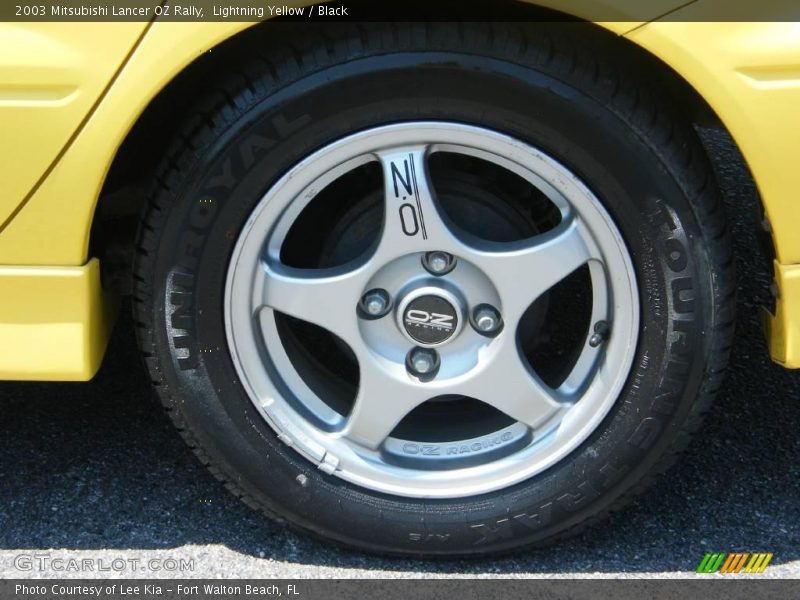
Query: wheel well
{"x":125,"y":190}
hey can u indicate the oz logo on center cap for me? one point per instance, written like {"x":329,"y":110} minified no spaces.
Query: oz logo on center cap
{"x":430,"y":319}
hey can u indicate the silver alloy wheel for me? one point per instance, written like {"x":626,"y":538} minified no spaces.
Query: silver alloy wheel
{"x":359,"y":447}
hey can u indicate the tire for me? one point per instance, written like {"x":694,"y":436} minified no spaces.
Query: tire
{"x":563,"y":91}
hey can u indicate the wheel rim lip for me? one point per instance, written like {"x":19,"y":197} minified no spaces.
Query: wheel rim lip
{"x":368,"y":468}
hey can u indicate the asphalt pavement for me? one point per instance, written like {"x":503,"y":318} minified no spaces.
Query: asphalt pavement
{"x":95,"y":471}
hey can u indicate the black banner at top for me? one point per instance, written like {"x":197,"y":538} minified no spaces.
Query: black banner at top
{"x":633,"y":11}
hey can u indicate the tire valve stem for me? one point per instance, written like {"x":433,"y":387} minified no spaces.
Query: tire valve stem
{"x":601,"y":333}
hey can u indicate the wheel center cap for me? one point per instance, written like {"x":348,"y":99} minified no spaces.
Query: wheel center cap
{"x":429,"y":316}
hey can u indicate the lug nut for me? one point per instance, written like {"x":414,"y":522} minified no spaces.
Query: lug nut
{"x":375,"y":304}
{"x":438,"y":263}
{"x":601,"y":332}
{"x":423,"y":363}
{"x":486,"y":320}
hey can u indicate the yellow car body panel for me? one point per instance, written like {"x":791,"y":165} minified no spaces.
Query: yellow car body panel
{"x":750,"y":75}
{"x":54,"y":322}
{"x":51,"y":76}
{"x":59,"y":214}
{"x":748,"y":72}
{"x":783,"y":328}
{"x":53,"y":226}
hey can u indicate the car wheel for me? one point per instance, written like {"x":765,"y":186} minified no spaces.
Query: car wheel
{"x":435,"y":289}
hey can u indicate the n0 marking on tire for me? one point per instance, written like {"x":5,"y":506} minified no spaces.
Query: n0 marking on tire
{"x":411,"y":219}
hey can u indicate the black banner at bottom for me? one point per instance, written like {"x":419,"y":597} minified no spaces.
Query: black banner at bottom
{"x":405,"y":589}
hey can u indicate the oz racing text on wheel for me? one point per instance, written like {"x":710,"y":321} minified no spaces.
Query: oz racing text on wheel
{"x":436,"y":294}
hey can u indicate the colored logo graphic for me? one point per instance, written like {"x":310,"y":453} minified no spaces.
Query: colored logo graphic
{"x":734,"y":562}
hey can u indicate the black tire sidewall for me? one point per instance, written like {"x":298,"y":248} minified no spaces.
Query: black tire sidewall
{"x":251,"y":148}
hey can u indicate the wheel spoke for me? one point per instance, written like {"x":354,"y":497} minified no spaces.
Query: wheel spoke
{"x":412,"y":219}
{"x":524,"y":396}
{"x":385,"y":396}
{"x":525,"y":272}
{"x":324,"y":297}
